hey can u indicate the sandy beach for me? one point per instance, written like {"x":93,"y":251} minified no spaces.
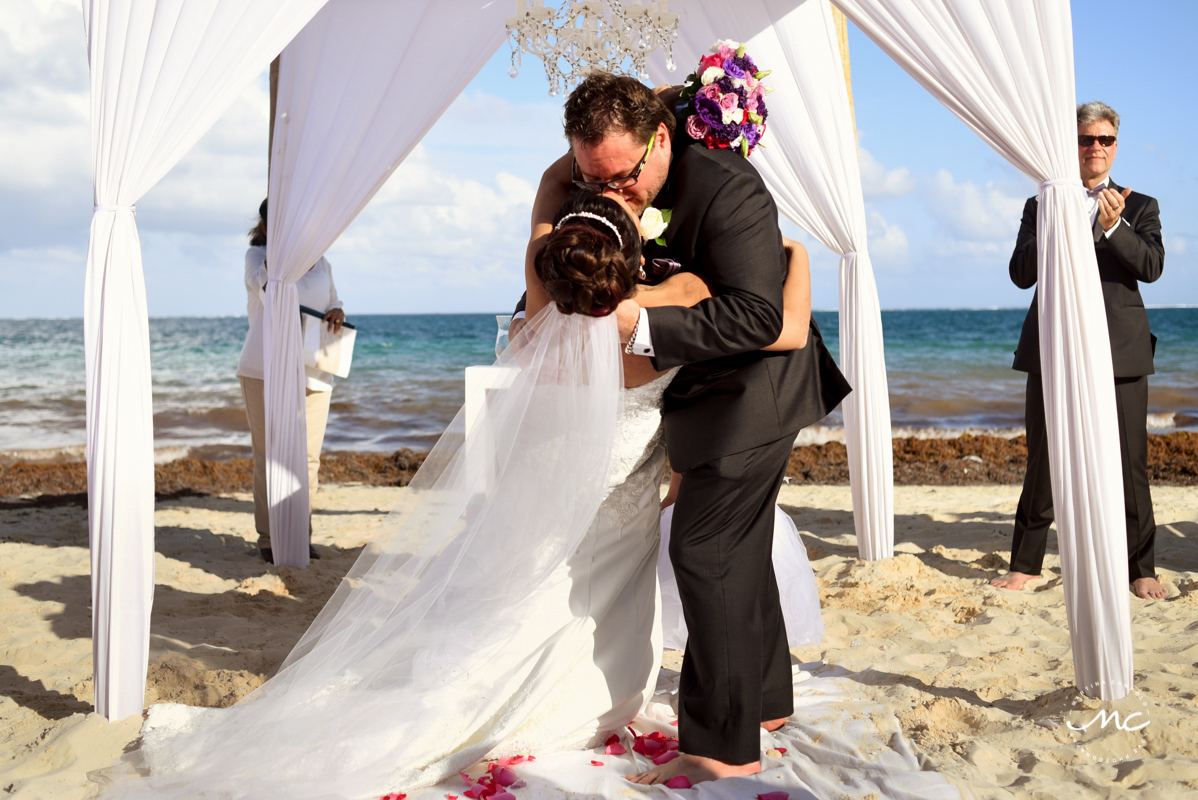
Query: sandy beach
{"x":979,"y":678}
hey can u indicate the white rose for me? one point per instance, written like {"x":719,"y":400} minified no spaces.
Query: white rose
{"x":711,"y":75}
{"x":734,"y":116}
{"x":652,"y":223}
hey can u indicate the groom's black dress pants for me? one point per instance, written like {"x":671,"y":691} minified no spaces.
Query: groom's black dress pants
{"x":736,"y":670}
{"x":1034,"y":513}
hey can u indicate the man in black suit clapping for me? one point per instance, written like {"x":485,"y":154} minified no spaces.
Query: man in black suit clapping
{"x":1127,"y":241}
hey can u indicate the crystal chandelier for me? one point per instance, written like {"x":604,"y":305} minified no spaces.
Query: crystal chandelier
{"x":591,"y":35}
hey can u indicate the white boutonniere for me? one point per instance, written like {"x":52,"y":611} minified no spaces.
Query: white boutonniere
{"x":654,"y":222}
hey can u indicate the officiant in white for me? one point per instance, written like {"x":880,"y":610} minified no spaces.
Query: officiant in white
{"x":316,"y":291}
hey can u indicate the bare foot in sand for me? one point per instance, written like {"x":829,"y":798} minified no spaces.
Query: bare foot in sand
{"x":1012,"y":580}
{"x":772,"y":725}
{"x":696,"y":769}
{"x":1149,"y":589}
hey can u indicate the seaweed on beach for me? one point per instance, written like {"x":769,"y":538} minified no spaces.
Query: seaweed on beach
{"x":1172,"y":461}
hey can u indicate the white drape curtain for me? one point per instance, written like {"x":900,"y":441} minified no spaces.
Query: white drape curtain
{"x":810,"y":164}
{"x":358,"y":88}
{"x":1005,"y":67}
{"x":162,"y":72}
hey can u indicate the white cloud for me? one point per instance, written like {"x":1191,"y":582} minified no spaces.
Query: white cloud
{"x":972,"y":212}
{"x":887,"y":242}
{"x":877,"y":182}
{"x":1176,"y":245}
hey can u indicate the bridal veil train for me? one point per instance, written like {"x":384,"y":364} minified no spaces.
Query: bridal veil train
{"x":453,"y":633}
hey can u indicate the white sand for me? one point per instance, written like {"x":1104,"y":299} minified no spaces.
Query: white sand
{"x":977,"y":676}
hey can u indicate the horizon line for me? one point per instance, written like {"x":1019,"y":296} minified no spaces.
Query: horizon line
{"x":480,"y":313}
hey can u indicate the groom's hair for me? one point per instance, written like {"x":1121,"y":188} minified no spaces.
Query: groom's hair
{"x":606,"y":104}
{"x":583,"y":266}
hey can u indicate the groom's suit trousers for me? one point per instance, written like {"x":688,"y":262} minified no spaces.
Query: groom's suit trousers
{"x":736,"y":673}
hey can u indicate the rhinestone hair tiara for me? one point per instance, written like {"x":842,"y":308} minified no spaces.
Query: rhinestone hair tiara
{"x":596,"y":217}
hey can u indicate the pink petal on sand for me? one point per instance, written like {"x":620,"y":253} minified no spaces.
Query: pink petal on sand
{"x":504,"y":776}
{"x":774,"y":796}
{"x":666,"y":757}
{"x":616,"y":749}
{"x":504,"y":796}
{"x":679,"y":782}
{"x":518,"y":785}
{"x":475,"y":791}
{"x":469,"y":781}
{"x":596,"y":763}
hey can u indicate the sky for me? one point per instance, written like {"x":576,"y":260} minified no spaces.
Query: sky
{"x":447,"y":232}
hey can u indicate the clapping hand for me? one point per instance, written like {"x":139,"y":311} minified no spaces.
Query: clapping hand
{"x":334,"y":317}
{"x":1110,"y":207}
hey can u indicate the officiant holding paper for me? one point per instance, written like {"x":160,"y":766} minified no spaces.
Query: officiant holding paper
{"x":317,"y":291}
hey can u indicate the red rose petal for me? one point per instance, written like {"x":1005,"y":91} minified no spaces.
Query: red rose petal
{"x":616,"y":749}
{"x":451,"y":797}
{"x":666,"y":757}
{"x":774,"y":796}
{"x":674,"y":723}
{"x":782,"y":750}
{"x":613,"y":739}
{"x":596,"y":763}
{"x":679,"y":782}
{"x":505,"y":777}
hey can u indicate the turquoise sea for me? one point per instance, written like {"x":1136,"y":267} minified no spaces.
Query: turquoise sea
{"x":948,"y":369}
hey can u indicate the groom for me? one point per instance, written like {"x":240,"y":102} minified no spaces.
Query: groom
{"x":731,"y":414}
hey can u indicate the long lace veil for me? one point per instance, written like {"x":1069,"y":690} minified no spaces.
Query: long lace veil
{"x":378,"y":692}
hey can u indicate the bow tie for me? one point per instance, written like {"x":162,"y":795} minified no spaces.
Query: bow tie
{"x":1097,"y":190}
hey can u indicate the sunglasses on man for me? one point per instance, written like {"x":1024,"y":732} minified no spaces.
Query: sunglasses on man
{"x":1085,"y":140}
{"x":615,"y":183}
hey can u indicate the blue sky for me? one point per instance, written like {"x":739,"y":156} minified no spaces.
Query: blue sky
{"x":446,"y":233}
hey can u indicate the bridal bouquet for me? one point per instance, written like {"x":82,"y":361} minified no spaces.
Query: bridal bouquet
{"x":723,"y":101}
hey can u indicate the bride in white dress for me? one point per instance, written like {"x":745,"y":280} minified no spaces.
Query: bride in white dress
{"x":510,"y":606}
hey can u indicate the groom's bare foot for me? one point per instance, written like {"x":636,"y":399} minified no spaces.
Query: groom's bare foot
{"x":1149,"y":589}
{"x":1012,"y":580}
{"x":772,"y":725}
{"x":696,"y":769}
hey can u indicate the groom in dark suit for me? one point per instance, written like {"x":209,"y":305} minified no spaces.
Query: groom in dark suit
{"x":730,"y":415}
{"x":1127,"y":241}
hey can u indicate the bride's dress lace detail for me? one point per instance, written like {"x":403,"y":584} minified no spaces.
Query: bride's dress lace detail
{"x":637,"y":436}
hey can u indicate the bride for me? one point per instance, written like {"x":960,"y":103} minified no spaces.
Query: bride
{"x":510,"y":606}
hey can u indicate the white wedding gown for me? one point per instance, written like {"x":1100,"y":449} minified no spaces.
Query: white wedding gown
{"x":568,"y":650}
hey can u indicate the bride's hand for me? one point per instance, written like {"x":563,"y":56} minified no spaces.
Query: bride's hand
{"x":628,"y":313}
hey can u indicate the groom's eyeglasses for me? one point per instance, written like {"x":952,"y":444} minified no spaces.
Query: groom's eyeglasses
{"x":1085,"y":141}
{"x":614,"y":183}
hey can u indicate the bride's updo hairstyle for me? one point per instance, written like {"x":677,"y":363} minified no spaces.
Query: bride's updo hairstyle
{"x":587,"y":262}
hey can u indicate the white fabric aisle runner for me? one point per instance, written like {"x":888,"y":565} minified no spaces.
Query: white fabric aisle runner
{"x":839,"y":744}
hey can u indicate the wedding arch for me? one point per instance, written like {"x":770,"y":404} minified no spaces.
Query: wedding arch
{"x":163,"y":71}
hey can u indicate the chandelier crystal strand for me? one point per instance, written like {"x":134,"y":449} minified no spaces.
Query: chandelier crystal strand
{"x":591,"y":35}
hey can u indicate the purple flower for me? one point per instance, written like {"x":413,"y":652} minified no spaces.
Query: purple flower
{"x":733,"y":69}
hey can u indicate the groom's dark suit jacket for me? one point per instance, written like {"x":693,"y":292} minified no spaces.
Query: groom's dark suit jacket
{"x":1133,"y":252}
{"x":730,"y":395}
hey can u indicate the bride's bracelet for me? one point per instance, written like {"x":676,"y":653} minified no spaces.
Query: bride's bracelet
{"x":632,"y":337}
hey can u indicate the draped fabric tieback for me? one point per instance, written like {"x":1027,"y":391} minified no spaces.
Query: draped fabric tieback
{"x":131,"y":209}
{"x":1060,"y":182}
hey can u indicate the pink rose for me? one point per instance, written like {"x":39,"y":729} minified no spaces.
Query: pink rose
{"x":711,"y":92}
{"x":751,"y":103}
{"x":729,"y":102}
{"x":725,"y":52}
{"x":696,"y":128}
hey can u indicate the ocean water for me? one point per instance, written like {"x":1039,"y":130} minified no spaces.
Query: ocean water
{"x":948,"y":370}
